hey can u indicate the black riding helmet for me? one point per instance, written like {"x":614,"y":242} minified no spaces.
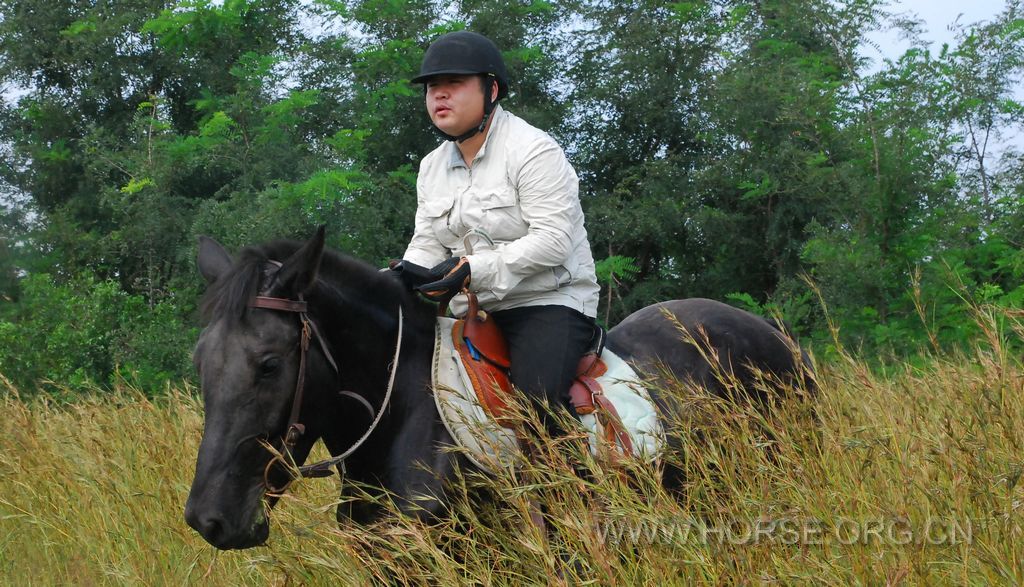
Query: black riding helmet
{"x":465,"y":53}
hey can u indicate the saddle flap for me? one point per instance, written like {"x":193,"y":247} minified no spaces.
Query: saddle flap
{"x":484,"y":335}
{"x":490,"y":381}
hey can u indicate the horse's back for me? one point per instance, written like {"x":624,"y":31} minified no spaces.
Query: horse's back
{"x":662,"y":336}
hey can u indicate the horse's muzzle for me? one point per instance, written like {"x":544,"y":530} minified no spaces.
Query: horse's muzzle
{"x":223,"y":533}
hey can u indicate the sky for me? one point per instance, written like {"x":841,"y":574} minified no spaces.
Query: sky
{"x":937,"y":15}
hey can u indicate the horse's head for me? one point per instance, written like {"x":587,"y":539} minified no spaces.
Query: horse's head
{"x":248,"y":362}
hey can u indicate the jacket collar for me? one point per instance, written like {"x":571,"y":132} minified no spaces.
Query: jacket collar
{"x":497,"y":122}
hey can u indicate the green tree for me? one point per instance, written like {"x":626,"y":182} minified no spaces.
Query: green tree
{"x":639,"y":76}
{"x":922,"y":190}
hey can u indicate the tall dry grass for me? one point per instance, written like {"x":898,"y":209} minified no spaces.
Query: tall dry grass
{"x":904,"y":476}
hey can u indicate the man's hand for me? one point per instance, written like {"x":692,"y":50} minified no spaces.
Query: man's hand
{"x":410,"y":274}
{"x":450,"y":277}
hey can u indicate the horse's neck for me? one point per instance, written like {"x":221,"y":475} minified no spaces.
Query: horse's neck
{"x":363,"y":335}
{"x":369,"y":354}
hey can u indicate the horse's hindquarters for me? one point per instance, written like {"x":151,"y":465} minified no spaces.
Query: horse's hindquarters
{"x":705,"y":343}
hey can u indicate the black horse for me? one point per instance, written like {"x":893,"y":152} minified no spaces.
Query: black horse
{"x":249,"y":358}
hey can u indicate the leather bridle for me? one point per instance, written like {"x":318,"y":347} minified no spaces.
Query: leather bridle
{"x":295,"y":428}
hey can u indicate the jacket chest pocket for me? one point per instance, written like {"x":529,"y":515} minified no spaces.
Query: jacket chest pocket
{"x":439,"y":213}
{"x":501,"y":218}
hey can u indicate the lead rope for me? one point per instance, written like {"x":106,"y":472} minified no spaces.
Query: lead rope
{"x":322,"y":468}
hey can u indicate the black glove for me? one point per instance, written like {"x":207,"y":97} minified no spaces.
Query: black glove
{"x":450,"y":277}
{"x":410,"y":274}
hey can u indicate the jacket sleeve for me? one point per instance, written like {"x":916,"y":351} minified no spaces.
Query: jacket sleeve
{"x":548,"y":191}
{"x":424,"y":248}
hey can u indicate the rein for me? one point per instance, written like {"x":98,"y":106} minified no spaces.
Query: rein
{"x":295,"y":428}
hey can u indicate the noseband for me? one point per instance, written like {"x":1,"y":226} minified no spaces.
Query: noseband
{"x":296,"y":429}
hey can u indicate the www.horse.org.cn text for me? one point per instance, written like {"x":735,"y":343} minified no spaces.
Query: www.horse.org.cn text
{"x":938,"y":531}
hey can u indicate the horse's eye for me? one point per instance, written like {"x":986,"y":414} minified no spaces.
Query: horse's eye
{"x":269,"y":366}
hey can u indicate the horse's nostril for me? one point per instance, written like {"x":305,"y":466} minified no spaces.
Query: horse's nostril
{"x":211,"y":529}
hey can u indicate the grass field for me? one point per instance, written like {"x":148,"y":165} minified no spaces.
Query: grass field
{"x":908,"y":475}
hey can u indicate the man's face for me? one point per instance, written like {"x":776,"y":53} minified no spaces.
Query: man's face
{"x":455,"y":103}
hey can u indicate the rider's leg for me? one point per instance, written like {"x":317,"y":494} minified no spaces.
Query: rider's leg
{"x":545,"y":345}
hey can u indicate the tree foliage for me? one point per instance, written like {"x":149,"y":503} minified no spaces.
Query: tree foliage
{"x":727,"y":149}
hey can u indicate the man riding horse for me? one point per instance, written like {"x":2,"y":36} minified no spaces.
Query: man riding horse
{"x":302,"y":344}
{"x":498,"y":212}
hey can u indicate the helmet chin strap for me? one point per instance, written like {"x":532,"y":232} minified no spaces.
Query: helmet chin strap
{"x":488,"y":110}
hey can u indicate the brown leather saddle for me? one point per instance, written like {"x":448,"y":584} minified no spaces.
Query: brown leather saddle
{"x":484,"y":354}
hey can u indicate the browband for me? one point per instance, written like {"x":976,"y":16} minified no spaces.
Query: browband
{"x":285,"y":305}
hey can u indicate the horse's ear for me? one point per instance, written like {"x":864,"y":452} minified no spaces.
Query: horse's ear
{"x":298,"y":273}
{"x":213,"y":260}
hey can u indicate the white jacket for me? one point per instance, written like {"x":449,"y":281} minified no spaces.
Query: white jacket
{"x":515,"y":214}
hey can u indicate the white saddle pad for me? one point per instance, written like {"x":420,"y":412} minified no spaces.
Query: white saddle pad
{"x":492,"y":447}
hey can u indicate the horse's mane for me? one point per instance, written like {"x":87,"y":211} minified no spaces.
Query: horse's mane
{"x":229,"y":296}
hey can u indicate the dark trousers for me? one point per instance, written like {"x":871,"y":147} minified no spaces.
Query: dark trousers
{"x":545,"y":344}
